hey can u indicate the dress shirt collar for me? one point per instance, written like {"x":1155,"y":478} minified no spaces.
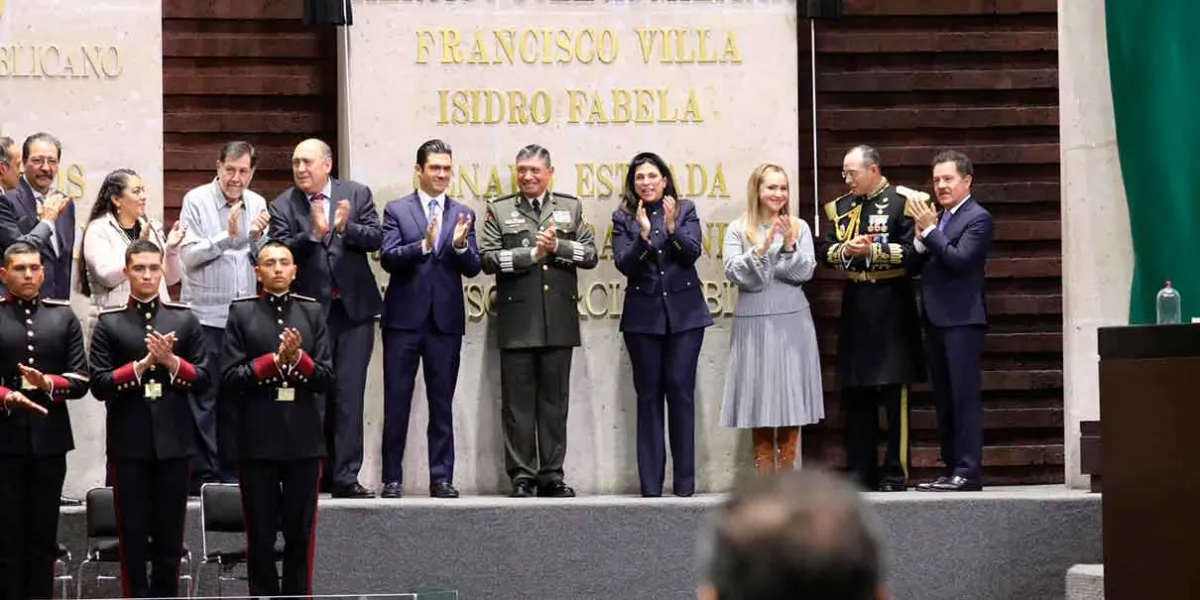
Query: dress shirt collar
{"x":149,"y":304}
{"x":327,"y":191}
{"x":220,"y":197}
{"x":40,"y":197}
{"x":425,"y":198}
{"x":955,"y":208}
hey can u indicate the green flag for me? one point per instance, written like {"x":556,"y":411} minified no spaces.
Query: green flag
{"x":1154,"y":65}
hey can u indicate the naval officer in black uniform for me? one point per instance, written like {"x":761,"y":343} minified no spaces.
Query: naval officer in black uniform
{"x":277,"y":366}
{"x":43,"y":365}
{"x":870,"y":238}
{"x":146,"y":357}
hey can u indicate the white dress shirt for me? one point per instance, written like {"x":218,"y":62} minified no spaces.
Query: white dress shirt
{"x":438,"y":209}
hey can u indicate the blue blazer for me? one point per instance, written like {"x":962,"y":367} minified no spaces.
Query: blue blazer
{"x":342,"y":262}
{"x":663,"y":294}
{"x":952,"y":277}
{"x":18,"y":215}
{"x":423,"y":283}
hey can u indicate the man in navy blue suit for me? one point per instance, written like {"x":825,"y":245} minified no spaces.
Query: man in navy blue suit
{"x":955,"y":245}
{"x":330,"y":225}
{"x":428,"y":247}
{"x":36,"y":213}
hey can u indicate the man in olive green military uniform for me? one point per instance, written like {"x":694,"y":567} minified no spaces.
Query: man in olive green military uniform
{"x":533,"y":242}
{"x":879,"y":354}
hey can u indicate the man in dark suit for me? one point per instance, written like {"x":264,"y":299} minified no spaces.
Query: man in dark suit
{"x":428,"y":247}
{"x":955,"y":245}
{"x":277,"y":368}
{"x":44,"y":364}
{"x":330,"y":226}
{"x":534,"y":242}
{"x":32,"y":211}
{"x":146,"y":358}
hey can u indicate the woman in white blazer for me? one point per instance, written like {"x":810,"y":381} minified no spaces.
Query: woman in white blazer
{"x":118,"y":218}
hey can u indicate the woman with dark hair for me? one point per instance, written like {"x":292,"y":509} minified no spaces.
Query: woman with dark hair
{"x":773,"y":386}
{"x":656,"y":241}
{"x":118,"y":218}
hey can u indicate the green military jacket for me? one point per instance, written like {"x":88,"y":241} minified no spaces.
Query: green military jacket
{"x":536,"y":302}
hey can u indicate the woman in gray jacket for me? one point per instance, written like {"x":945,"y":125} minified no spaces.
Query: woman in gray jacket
{"x":773,"y":385}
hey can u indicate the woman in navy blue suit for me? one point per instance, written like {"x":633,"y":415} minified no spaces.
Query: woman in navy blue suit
{"x":656,"y":241}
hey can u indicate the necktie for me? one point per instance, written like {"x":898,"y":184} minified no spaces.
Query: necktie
{"x":433,"y":213}
{"x":942,"y":221}
{"x":537,"y":206}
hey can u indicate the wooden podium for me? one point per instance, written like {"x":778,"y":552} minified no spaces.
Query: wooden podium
{"x":1150,"y":427}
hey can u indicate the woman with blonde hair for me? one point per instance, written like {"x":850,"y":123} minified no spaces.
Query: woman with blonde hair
{"x":118,"y":218}
{"x":773,"y":386}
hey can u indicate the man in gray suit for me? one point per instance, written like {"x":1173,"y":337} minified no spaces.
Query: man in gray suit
{"x":533,"y":242}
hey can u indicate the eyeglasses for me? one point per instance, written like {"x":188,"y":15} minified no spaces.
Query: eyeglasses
{"x":39,"y":161}
{"x":847,"y":174}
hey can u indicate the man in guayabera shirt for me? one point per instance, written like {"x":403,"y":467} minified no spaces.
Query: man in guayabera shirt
{"x":225,"y":224}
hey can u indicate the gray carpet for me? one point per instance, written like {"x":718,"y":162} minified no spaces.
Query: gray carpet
{"x":1002,"y":544}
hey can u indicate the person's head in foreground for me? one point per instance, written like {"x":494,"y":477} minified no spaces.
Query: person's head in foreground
{"x":797,"y":535}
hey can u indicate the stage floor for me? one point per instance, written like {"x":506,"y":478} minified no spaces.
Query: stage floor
{"x":1002,"y":543}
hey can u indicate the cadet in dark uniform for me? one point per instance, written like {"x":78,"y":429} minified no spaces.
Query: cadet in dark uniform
{"x":146,"y":357}
{"x":277,"y":366}
{"x":879,"y":341}
{"x":43,"y":364}
{"x":533,"y":242}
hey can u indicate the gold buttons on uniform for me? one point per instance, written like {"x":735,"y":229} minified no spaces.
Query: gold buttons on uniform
{"x":544,"y":287}
{"x":545,"y":267}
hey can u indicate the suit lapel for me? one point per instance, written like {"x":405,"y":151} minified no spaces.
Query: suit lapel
{"x":526,"y":209}
{"x":954,"y":225}
{"x":26,"y":197}
{"x":418,"y":213}
{"x":448,"y":216}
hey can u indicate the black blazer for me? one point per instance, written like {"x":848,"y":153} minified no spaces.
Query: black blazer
{"x":139,"y":427}
{"x":253,"y":421}
{"x":19,"y":221}
{"x":56,"y":349}
{"x":341,"y":262}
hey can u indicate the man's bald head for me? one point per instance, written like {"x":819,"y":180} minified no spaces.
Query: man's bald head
{"x":312,"y":162}
{"x":804,"y":534}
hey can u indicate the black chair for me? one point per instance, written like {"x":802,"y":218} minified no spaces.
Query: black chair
{"x":221,"y":516}
{"x":62,"y":571}
{"x":103,"y":546}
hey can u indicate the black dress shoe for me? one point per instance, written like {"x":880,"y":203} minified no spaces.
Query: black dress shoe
{"x":893,"y":486}
{"x":522,"y":488}
{"x":556,"y":489}
{"x":957,"y":484}
{"x":927,"y":486}
{"x":65,"y":501}
{"x":352,"y":491}
{"x":442,"y":489}
{"x":391,"y":490}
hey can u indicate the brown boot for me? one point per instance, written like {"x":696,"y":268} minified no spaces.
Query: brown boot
{"x":764,"y":450}
{"x":789,"y":444}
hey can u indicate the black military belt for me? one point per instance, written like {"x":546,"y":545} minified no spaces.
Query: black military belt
{"x":872,"y":277}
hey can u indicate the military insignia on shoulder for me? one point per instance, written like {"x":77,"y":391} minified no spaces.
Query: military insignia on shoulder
{"x":245,"y":298}
{"x":111,"y":309}
{"x":911,"y":195}
{"x":502,"y":198}
{"x":182,"y":305}
{"x":562,"y":195}
{"x":304,"y":298}
{"x":55,"y":302}
{"x":831,"y":209}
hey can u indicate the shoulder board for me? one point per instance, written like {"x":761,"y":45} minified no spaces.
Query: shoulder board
{"x":831,"y":207}
{"x":562,"y":195}
{"x":55,"y":302}
{"x":304,"y":298}
{"x":3,"y":299}
{"x":245,"y":298}
{"x":111,"y":309}
{"x":182,"y":305}
{"x":502,"y":198}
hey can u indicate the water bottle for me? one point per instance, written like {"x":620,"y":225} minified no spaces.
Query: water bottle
{"x":1169,"y":311}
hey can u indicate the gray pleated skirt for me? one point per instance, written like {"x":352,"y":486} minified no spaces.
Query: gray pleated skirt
{"x":774,"y":377}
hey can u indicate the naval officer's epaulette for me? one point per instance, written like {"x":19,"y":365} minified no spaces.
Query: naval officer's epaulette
{"x":179,"y":305}
{"x":245,"y":298}
{"x":111,"y":309}
{"x":304,"y":298}
{"x":55,"y":302}
{"x":831,"y":206}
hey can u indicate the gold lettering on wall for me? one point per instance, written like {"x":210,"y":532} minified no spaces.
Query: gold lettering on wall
{"x":448,"y":46}
{"x":51,"y":61}
{"x":681,"y":45}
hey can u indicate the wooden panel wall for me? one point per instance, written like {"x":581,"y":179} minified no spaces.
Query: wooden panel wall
{"x":911,"y":77}
{"x":242,"y":69}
